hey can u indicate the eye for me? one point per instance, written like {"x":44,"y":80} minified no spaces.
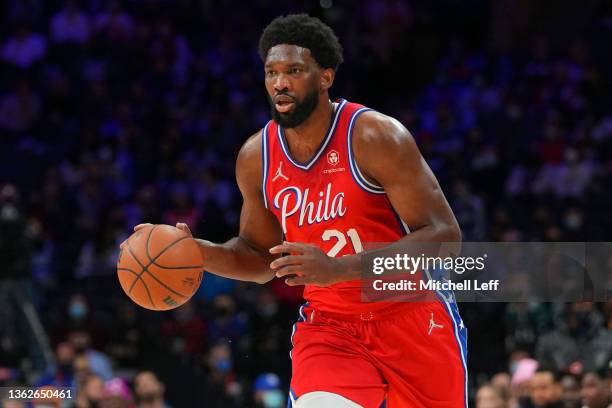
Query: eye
{"x":270,"y":74}
{"x":296,"y":70}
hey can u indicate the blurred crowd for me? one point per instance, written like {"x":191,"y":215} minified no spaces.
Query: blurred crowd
{"x":115,"y":113}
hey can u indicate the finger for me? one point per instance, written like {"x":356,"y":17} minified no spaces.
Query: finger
{"x":296,"y":281}
{"x":183,"y":227}
{"x":290,"y":270}
{"x":141,"y":226}
{"x":286,"y":260}
{"x":290,"y":247}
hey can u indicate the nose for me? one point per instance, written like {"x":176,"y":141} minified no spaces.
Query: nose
{"x":282,"y":83}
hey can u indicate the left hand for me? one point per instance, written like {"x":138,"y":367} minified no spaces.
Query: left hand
{"x":307,"y":263}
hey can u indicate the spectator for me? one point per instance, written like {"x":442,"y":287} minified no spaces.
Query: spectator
{"x":116,"y":394}
{"x":61,"y":375}
{"x":221,"y":388}
{"x":579,"y":336}
{"x":523,"y":369}
{"x":488,"y":396}
{"x":227,"y":323}
{"x":546,"y":391}
{"x":595,"y":390}
{"x":99,"y":363}
{"x":78,"y":310}
{"x":149,"y":391}
{"x":268,"y":394}
{"x":90,"y":394}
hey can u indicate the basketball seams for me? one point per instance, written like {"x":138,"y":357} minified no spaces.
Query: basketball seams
{"x":147,"y":244}
{"x":145,"y":269}
{"x":136,"y":280}
{"x":152,"y":260}
{"x":128,"y":270}
{"x":138,"y":275}
{"x":176,"y":267}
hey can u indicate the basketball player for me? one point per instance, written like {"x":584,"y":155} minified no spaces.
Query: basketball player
{"x":318,"y":181}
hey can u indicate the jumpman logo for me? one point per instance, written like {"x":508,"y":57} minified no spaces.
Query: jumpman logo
{"x":279,"y":172}
{"x":434,"y":325}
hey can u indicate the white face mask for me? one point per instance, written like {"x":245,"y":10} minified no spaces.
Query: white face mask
{"x":273,"y":399}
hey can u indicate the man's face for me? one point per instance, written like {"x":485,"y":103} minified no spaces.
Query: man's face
{"x":148,"y":388}
{"x":293,"y":83}
{"x":544,"y":390}
{"x":594,"y":392}
{"x":94,"y":388}
{"x":486,"y":397}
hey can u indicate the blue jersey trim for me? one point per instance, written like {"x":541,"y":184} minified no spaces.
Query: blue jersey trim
{"x":355,"y":172}
{"x":447,"y":298}
{"x":264,"y":162}
{"x":319,"y":151}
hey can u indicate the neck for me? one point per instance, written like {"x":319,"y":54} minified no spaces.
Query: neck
{"x":304,"y":139}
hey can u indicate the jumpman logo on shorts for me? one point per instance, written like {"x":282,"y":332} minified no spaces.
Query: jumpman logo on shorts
{"x":434,"y":325}
{"x":279,"y":172}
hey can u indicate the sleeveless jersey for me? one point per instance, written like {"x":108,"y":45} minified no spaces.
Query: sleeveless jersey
{"x":328,"y":202}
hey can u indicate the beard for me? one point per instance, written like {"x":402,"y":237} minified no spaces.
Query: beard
{"x":302,"y":110}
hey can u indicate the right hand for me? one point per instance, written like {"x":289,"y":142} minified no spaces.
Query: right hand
{"x":180,"y":225}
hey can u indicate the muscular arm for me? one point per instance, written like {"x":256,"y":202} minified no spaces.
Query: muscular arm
{"x":408,"y":181}
{"x":246,"y":257}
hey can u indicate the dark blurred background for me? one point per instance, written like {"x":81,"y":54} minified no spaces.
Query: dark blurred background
{"x":114,"y":113}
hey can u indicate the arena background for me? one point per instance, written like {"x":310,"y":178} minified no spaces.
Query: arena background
{"x":115,"y":113}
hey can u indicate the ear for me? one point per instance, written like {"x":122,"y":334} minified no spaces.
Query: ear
{"x":326,"y":77}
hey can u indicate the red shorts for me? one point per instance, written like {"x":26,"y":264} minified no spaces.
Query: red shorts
{"x":413,"y":355}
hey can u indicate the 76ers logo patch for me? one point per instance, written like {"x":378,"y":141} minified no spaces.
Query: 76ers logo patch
{"x":333,"y":158}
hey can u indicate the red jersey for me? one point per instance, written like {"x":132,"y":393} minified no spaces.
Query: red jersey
{"x":328,"y":202}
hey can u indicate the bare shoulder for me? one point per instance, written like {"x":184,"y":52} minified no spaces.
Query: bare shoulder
{"x":376,"y":133}
{"x":249,"y":163}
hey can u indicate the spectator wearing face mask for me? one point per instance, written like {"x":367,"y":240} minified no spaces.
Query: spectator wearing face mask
{"x":78,"y":309}
{"x":267,"y":391}
{"x":595,"y":391}
{"x":149,"y":391}
{"x":221,"y":388}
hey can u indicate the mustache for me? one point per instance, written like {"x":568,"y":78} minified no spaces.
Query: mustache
{"x":283,"y":93}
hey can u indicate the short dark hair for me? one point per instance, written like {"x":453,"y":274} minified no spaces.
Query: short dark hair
{"x":303,"y":31}
{"x":556,"y":374}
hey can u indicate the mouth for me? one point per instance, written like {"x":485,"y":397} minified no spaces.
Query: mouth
{"x":284,"y":103}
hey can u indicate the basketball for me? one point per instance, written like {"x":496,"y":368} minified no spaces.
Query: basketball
{"x":160,"y":267}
